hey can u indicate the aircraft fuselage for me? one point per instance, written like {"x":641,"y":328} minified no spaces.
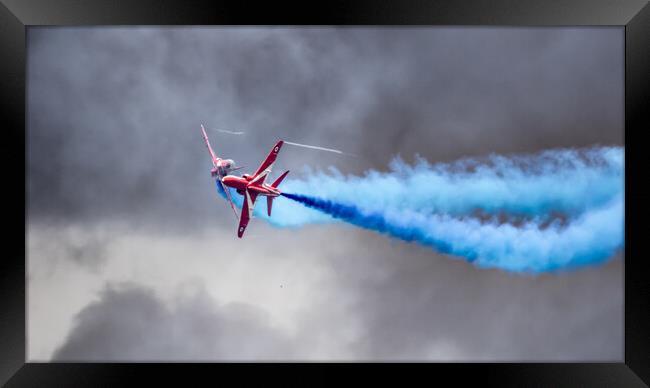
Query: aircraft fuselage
{"x":244,"y":183}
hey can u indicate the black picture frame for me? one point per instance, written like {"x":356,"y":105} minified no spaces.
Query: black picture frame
{"x":17,"y":15}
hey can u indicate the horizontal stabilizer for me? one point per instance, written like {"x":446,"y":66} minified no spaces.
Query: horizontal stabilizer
{"x":279,"y":180}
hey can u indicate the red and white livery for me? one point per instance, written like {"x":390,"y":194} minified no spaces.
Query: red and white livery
{"x":249,"y":186}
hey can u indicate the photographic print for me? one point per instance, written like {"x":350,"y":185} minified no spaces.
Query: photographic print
{"x":325,"y":194}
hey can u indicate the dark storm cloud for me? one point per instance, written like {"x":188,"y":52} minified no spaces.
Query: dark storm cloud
{"x":411,"y":304}
{"x":401,"y":302}
{"x":479,"y":91}
{"x":415,"y":305}
{"x":131,"y":323}
{"x":114,"y":112}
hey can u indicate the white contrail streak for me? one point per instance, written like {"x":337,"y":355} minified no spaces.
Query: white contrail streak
{"x":314,"y":147}
{"x":292,"y":143}
{"x":230,"y":132}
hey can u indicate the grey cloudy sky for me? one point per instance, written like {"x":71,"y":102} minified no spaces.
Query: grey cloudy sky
{"x":131,"y":255}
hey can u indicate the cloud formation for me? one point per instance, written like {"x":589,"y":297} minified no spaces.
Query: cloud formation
{"x":130,"y":323}
{"x":380,"y":300}
{"x":114,"y":113}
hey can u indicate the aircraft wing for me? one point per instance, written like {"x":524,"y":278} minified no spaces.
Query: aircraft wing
{"x":268,"y":162}
{"x":207,"y":143}
{"x":227,"y":191}
{"x":246,"y":212}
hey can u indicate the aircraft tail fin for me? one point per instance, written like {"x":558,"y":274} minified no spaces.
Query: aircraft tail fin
{"x":269,"y":204}
{"x":279,"y":180}
{"x":269,"y":200}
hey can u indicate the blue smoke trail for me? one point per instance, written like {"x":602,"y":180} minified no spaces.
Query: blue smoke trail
{"x":436,"y":205}
{"x":591,"y":239}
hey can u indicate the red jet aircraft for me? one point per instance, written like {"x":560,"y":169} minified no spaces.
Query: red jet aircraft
{"x":250,"y":186}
